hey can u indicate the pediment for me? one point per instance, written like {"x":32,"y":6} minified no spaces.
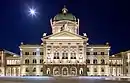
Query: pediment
{"x":64,"y":35}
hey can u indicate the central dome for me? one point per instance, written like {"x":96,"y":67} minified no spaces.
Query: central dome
{"x":64,"y":16}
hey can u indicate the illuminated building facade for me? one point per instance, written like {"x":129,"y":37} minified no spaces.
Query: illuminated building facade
{"x":64,"y":53}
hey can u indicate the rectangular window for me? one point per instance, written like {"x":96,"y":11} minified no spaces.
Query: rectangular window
{"x":87,"y":69}
{"x":95,"y":69}
{"x":102,"y":53}
{"x":34,"y":53}
{"x":41,"y":53}
{"x":26,"y":53}
{"x":88,"y":53}
{"x":95,"y":53}
{"x":41,"y":60}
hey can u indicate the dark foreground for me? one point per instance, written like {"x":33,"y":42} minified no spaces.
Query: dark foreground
{"x":58,"y":80}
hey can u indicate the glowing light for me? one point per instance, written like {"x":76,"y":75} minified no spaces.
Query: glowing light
{"x":91,"y":49}
{"x":37,"y":49}
{"x":32,"y":11}
{"x":20,"y":49}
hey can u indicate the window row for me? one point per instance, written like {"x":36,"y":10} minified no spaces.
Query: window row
{"x":33,"y":70}
{"x":95,"y":61}
{"x":64,"y":55}
{"x":27,"y":61}
{"x":33,"y":53}
{"x":57,"y":57}
{"x":95,"y":53}
{"x":13,"y":62}
{"x":95,"y":70}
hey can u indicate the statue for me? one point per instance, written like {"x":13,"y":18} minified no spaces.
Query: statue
{"x":64,"y":27}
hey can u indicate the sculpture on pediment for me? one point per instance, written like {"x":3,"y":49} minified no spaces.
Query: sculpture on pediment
{"x":64,"y":27}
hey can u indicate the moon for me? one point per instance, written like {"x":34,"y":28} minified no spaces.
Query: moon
{"x":32,"y":11}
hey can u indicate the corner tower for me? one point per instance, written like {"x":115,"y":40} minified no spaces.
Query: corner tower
{"x":65,"y":21}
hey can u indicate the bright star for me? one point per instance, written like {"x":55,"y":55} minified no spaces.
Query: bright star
{"x":32,"y":11}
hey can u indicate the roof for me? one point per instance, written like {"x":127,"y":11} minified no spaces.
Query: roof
{"x":67,"y":16}
{"x":64,"y":16}
{"x":98,"y":46}
{"x":65,"y":32}
{"x":30,"y":45}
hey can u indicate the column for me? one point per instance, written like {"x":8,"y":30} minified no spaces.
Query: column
{"x":60,"y":51}
{"x":52,"y":52}
{"x":69,"y":51}
{"x":77,"y":54}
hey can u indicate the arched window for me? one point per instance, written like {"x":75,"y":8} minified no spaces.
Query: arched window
{"x":42,"y":69}
{"x":102,"y":69}
{"x":48,"y":71}
{"x":0,"y":71}
{"x":56,"y":55}
{"x":73,"y":55}
{"x":34,"y":69}
{"x":94,"y":61}
{"x":81,"y":71}
{"x":95,"y":69}
{"x":88,"y":69}
{"x":102,"y":61}
{"x":88,"y":61}
{"x":34,"y":61}
{"x":41,"y":60}
{"x":27,"y":70}
{"x":64,"y":55}
{"x":27,"y":61}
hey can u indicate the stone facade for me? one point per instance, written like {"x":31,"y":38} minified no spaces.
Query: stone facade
{"x":64,"y":53}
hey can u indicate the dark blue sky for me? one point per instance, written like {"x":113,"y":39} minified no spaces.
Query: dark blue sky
{"x":102,"y":20}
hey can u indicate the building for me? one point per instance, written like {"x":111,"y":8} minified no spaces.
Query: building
{"x":120,"y":64}
{"x":9,"y":63}
{"x":64,"y":53}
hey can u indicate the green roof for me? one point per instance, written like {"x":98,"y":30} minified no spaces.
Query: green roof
{"x":67,"y":16}
{"x":64,"y":16}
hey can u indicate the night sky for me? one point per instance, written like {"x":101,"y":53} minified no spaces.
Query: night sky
{"x":102,"y":20}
